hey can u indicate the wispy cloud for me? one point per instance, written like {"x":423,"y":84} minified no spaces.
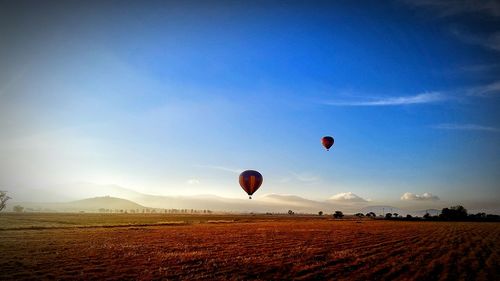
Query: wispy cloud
{"x":305,"y":177}
{"x":301,"y":177}
{"x":465,"y":127}
{"x":445,"y":8}
{"x":485,"y":90}
{"x":465,"y":8}
{"x":489,"y":41}
{"x":423,"y":98}
{"x":408,"y":196}
{"x":221,"y":168}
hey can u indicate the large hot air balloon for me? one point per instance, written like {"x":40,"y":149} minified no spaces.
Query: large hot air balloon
{"x":250,"y":181}
{"x":327,"y":142}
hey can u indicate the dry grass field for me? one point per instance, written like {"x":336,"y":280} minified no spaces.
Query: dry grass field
{"x":221,"y":247}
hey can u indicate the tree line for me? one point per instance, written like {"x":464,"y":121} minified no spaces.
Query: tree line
{"x":453,"y":213}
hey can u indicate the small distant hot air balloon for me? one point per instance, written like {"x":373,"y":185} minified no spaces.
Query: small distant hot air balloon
{"x":250,"y":181}
{"x":327,"y":142}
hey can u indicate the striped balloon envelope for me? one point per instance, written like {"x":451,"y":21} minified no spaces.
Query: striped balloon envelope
{"x":250,"y":181}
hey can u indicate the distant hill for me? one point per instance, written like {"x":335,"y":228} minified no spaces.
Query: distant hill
{"x":87,"y":205}
{"x":106,"y":202}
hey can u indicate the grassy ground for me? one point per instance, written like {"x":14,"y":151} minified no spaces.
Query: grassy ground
{"x":225,"y":247}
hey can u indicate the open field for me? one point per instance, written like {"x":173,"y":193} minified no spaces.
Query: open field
{"x":84,"y":220}
{"x":243,"y":247}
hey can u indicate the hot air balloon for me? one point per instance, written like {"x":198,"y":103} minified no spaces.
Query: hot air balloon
{"x":327,"y":142}
{"x":250,"y":181}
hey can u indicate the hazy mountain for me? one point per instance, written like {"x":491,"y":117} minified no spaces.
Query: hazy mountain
{"x":88,"y":205}
{"x":70,"y":192}
{"x":347,"y":202}
{"x":291,"y":200}
{"x":105,"y":202}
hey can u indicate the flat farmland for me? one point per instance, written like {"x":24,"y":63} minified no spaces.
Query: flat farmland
{"x":223,"y":247}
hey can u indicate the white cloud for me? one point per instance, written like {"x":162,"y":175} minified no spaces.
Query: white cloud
{"x":347,"y":197}
{"x":465,"y":127}
{"x":408,"y":196}
{"x":423,"y":98}
{"x":193,"y":181}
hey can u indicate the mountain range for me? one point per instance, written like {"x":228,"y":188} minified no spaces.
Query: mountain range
{"x":116,"y":197}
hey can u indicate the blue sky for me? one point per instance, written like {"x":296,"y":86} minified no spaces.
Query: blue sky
{"x":177,"y":97}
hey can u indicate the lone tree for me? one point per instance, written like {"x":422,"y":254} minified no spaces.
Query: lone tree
{"x":338,"y":214}
{"x":290,"y":212}
{"x":388,"y":216}
{"x":3,"y":199}
{"x":320,"y":213}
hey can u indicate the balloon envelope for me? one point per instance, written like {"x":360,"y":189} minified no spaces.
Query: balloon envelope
{"x":327,"y":142}
{"x":250,"y":181}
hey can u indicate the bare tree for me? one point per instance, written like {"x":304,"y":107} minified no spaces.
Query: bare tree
{"x":3,"y":199}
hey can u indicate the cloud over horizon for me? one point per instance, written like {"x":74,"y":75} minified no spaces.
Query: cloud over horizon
{"x":347,"y":197}
{"x":408,"y":196}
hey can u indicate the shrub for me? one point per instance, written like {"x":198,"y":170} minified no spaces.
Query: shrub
{"x":18,"y":209}
{"x":338,"y":215}
{"x":371,"y":214}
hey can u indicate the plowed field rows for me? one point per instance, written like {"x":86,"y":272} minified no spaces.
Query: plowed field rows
{"x":278,"y":248}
